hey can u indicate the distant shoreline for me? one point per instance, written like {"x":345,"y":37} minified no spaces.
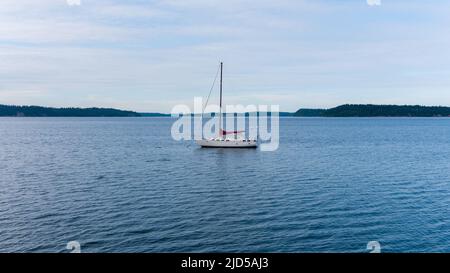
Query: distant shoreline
{"x":373,"y":110}
{"x":347,"y":110}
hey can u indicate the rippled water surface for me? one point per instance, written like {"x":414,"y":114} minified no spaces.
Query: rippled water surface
{"x":123,"y":185}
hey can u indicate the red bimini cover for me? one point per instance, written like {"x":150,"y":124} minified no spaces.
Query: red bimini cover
{"x":224,"y":133}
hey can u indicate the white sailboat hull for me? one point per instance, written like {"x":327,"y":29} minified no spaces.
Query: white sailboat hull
{"x":231,"y":143}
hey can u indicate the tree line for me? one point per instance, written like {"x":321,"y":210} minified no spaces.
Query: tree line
{"x":372,"y":110}
{"x":39,"y":111}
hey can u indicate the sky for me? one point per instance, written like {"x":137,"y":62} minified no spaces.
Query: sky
{"x":148,"y":55}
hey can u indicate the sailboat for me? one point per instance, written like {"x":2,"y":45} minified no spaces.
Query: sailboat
{"x":222,"y":140}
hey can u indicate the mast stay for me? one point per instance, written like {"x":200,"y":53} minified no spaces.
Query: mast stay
{"x":221,"y":131}
{"x":210,"y":90}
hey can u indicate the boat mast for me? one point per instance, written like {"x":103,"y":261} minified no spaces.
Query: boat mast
{"x":220,"y":114}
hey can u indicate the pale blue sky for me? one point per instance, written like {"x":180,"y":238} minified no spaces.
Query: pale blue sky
{"x":148,"y":55}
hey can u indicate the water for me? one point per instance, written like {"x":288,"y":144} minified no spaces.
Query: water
{"x":123,"y":185}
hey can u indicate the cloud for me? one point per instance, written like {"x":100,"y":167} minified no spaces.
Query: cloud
{"x":133,"y":11}
{"x":374,"y":2}
{"x":163,"y":52}
{"x":73,"y":2}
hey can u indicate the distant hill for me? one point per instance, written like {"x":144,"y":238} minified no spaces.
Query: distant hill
{"x":309,"y":112}
{"x":372,"y":110}
{"x":38,"y":111}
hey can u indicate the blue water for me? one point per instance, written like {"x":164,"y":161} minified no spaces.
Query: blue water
{"x":123,"y":185}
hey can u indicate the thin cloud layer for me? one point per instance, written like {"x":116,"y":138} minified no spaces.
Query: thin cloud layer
{"x":374,"y":2}
{"x":147,"y":55}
